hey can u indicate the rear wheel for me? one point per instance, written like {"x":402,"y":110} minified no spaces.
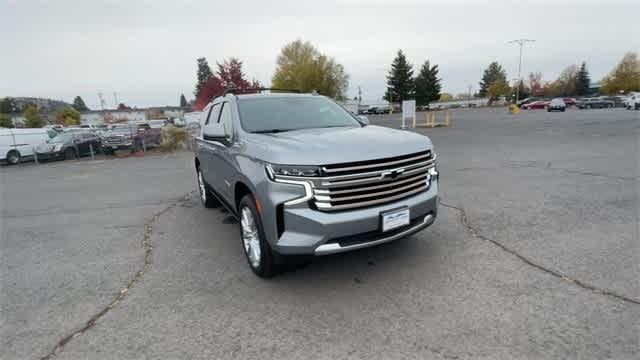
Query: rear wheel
{"x":254,"y":242}
{"x":13,"y":157}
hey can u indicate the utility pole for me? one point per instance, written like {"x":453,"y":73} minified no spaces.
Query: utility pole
{"x":115,"y":100}
{"x":520,"y":42}
{"x":101,"y":98}
{"x":359,"y":97}
{"x":469,"y":98}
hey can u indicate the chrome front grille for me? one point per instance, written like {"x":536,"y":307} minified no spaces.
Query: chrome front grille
{"x":375,"y":182}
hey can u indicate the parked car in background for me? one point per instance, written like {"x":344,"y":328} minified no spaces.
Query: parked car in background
{"x":372,"y":110}
{"x":69,"y":145}
{"x":594,"y":103}
{"x":569,"y":101}
{"x":157,"y":123}
{"x":618,"y":101}
{"x":17,"y":144}
{"x":557,"y":104}
{"x":632,"y":102}
{"x":527,"y":101}
{"x":540,"y":104}
{"x":131,"y":137}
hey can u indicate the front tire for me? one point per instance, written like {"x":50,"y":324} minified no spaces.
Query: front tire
{"x":69,"y":154}
{"x":254,"y":242}
{"x":13,"y":157}
{"x":206,"y":197}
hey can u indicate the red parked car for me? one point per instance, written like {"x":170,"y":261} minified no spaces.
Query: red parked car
{"x":541,"y":104}
{"x":569,"y":101}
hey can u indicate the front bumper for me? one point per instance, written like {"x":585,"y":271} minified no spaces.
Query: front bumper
{"x":50,"y":155}
{"x":301,"y":229}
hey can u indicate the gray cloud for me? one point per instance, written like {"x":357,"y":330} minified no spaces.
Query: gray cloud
{"x":146,"y":50}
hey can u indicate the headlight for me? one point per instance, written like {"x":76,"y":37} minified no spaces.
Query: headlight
{"x":293,"y":170}
{"x":287,"y":170}
{"x":57,"y":147}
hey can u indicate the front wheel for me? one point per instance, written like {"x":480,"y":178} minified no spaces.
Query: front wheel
{"x":13,"y":157}
{"x":254,"y":243}
{"x":69,"y":154}
{"x":206,"y":197}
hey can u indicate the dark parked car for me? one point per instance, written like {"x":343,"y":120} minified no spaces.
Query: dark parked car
{"x":594,"y":103}
{"x":69,"y":145}
{"x":132,"y":137}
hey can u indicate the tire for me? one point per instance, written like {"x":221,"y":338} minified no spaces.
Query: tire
{"x":587,"y":107}
{"x":253,"y":241}
{"x":609,"y":106}
{"x":563,"y":109}
{"x":13,"y":157}
{"x":70,"y":154}
{"x":207,"y":198}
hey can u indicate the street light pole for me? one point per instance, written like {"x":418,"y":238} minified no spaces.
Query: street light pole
{"x":520,"y":42}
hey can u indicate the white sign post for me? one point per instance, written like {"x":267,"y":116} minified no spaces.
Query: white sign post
{"x":408,"y":111}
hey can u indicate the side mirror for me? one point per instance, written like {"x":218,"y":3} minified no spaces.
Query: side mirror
{"x":363,"y":119}
{"x":214,"y":132}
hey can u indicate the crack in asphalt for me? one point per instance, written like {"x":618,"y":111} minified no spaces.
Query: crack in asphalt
{"x":464,"y":219}
{"x":148,"y":254}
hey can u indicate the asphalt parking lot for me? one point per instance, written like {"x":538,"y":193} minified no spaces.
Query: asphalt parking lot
{"x":535,"y":255}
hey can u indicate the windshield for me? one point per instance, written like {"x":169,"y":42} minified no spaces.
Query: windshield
{"x":62,"y":138}
{"x":122,"y":130}
{"x":292,"y":113}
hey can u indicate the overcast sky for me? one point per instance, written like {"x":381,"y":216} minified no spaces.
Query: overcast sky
{"x":146,"y":50}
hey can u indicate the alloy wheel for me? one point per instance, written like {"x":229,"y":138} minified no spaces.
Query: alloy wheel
{"x":250,"y":237}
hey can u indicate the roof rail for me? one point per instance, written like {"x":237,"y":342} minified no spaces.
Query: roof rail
{"x":235,"y":91}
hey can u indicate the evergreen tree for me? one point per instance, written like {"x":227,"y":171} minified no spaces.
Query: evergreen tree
{"x":400,"y":84}
{"x":183,"y":101}
{"x":492,"y":73}
{"x":427,"y":84}
{"x":203,"y":75}
{"x":583,"y":80}
{"x":79,"y":104}
{"x":8,"y":106}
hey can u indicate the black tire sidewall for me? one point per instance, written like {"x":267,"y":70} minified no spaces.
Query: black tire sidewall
{"x":69,"y":154}
{"x":211,"y":201}
{"x":266,"y":267}
{"x":12,"y":153}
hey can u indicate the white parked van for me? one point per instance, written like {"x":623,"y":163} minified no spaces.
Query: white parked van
{"x":18,"y":144}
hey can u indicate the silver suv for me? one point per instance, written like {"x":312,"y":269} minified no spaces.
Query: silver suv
{"x":305,"y":177}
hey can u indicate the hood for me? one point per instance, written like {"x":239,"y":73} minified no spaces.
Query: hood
{"x":324,"y":146}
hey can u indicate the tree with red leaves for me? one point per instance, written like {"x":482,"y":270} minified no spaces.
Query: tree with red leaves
{"x":229,"y":75}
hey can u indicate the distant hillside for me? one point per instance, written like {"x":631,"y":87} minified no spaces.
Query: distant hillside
{"x":43,"y":104}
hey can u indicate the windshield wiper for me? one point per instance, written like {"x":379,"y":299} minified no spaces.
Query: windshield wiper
{"x":271,"y":131}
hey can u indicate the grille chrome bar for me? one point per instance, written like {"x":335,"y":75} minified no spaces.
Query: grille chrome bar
{"x":400,"y":180}
{"x":321,"y":198}
{"x":329,"y":206}
{"x":425,"y":155}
